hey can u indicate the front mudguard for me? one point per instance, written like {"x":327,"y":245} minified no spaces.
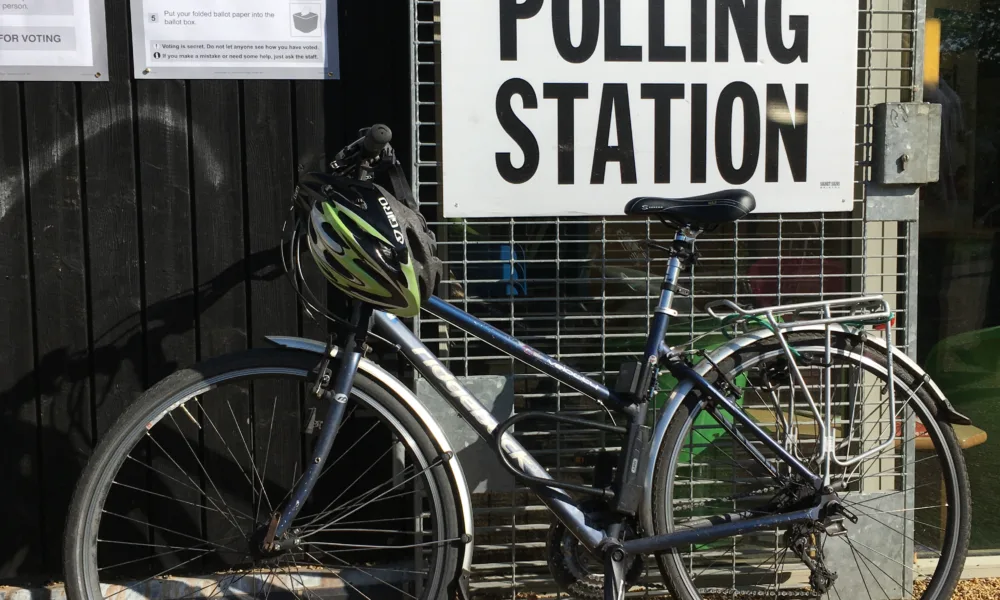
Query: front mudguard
{"x":946,"y":411}
{"x":434,"y":431}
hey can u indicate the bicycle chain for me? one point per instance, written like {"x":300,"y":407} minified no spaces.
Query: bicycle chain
{"x":757,"y":492}
{"x":801,"y":593}
{"x":760,"y":593}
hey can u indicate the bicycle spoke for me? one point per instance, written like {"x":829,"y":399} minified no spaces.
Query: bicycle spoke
{"x":253,"y":463}
{"x":135,"y":560}
{"x":869,"y":563}
{"x":893,"y":513}
{"x":891,"y":528}
{"x":863,"y":502}
{"x":148,"y":545}
{"x":344,"y":562}
{"x":867,"y":547}
{"x":189,"y":503}
{"x":161,"y":528}
{"x":295,"y":484}
{"x":435,"y":463}
{"x":225,"y":443}
{"x":326,"y":509}
{"x":338,"y":576}
{"x":232,"y":519}
{"x":360,"y":500}
{"x":181,"y":483}
{"x":854,"y":554}
{"x":160,"y":574}
{"x":360,"y":547}
{"x":301,"y":581}
{"x":267,"y":454}
{"x":732,"y":460}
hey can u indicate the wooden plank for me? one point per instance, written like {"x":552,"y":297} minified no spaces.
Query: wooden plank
{"x":311,"y":152}
{"x":270,"y":169}
{"x":165,"y":177}
{"x":113,"y":268}
{"x":218,"y":206}
{"x":168,"y":269}
{"x":18,"y":398}
{"x":375,"y":85}
{"x":113,"y":229}
{"x":62,"y":317}
{"x":222,"y":270}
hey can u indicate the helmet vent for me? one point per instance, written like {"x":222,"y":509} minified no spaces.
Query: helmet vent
{"x":415,"y":245}
{"x":328,"y":230}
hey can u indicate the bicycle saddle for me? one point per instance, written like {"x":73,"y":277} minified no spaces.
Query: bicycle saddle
{"x":697,"y":211}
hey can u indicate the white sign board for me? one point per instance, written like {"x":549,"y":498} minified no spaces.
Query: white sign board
{"x":235,"y":39}
{"x":53,"y":40}
{"x":557,"y":107}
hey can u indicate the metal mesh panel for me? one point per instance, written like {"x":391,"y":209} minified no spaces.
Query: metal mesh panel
{"x":581,"y":289}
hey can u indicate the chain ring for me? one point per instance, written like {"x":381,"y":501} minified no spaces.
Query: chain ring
{"x":577,"y":572}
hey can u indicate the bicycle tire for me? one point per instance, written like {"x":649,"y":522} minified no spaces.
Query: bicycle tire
{"x":82,"y":525}
{"x":946,"y":574}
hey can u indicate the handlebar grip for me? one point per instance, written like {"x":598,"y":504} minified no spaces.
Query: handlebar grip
{"x":376,"y":140}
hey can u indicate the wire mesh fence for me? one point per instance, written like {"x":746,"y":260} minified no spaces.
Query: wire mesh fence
{"x":581,"y":289}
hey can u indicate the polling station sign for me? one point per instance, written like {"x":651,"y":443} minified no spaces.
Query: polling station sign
{"x":573,"y":107}
{"x":53,"y":40}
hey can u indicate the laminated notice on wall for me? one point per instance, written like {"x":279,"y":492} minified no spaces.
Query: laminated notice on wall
{"x":53,"y":40}
{"x":235,"y":39}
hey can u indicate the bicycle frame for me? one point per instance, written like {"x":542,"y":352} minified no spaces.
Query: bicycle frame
{"x":557,"y":500}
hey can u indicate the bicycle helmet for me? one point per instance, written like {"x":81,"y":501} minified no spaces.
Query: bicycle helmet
{"x":368,"y":244}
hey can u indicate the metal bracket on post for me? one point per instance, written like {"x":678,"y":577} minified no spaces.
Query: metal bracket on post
{"x":906,"y":153}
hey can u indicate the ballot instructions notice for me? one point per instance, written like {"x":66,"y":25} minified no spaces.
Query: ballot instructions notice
{"x":235,"y":39}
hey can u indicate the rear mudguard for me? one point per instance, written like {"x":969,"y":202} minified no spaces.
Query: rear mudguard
{"x":946,"y":411}
{"x":409,"y":399}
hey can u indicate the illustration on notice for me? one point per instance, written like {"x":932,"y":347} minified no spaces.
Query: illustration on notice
{"x":306,"y":22}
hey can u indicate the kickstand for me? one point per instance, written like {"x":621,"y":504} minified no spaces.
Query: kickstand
{"x":614,"y":574}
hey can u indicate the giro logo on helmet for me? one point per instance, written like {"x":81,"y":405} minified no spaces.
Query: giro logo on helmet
{"x":392,"y":219}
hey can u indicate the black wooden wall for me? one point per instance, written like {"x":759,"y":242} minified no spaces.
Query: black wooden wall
{"x":139,"y":224}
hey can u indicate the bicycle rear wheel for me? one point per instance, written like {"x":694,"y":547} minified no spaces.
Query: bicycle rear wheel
{"x":179,"y":493}
{"x":911,"y":500}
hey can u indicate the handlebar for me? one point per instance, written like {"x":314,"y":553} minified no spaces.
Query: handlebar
{"x":359,"y":157}
{"x":377,"y":138}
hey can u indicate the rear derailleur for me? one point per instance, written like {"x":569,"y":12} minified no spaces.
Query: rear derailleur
{"x":805,"y":540}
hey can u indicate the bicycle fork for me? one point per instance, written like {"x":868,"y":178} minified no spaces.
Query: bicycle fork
{"x":337,"y":394}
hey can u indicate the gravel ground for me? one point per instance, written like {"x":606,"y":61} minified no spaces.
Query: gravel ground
{"x":973,"y":589}
{"x":967,"y":589}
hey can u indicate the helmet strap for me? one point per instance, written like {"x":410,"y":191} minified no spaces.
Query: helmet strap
{"x":400,"y":188}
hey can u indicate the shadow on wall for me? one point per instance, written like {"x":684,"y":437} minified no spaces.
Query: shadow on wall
{"x":125,"y":345}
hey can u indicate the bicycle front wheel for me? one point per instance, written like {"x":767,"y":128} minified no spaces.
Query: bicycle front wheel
{"x":905,"y":529}
{"x":178,"y":495}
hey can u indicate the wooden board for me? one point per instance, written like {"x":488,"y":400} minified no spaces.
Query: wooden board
{"x":222,"y":273}
{"x":62,"y":315}
{"x":18,"y":391}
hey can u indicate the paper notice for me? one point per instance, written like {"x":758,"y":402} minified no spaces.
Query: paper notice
{"x":234,"y":39}
{"x":36,"y":35}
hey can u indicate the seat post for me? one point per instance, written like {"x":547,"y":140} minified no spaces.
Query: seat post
{"x":680,"y":252}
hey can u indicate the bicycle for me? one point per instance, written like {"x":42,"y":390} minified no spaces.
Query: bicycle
{"x":794,"y":487}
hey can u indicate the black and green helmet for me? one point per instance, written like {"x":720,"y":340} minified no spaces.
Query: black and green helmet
{"x":369,"y":245}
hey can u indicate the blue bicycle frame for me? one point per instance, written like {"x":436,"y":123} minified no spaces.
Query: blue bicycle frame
{"x":552,"y":495}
